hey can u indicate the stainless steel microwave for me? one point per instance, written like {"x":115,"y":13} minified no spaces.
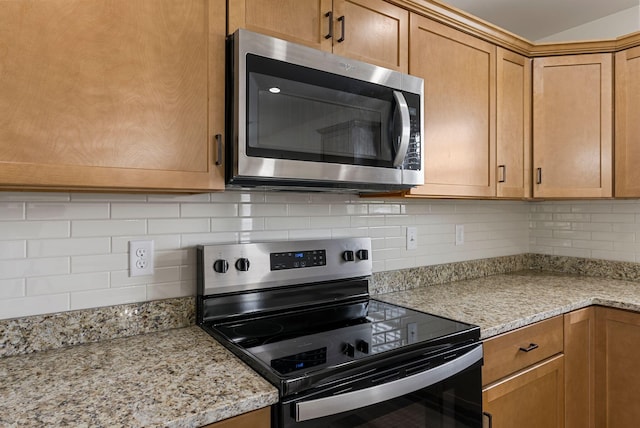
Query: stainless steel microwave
{"x":304,"y":119}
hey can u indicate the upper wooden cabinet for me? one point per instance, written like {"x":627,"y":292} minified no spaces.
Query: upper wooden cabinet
{"x":111,"y":95}
{"x":572,"y":126}
{"x":513,"y":125}
{"x":372,"y":31}
{"x":459,"y":73}
{"x":627,"y":128}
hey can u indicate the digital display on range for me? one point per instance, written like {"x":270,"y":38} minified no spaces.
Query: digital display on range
{"x":300,"y":361}
{"x":298,"y":259}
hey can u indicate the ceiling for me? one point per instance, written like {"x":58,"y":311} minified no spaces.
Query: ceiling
{"x":537,"y":19}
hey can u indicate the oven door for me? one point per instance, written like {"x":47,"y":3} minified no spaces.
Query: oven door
{"x":448,"y":395}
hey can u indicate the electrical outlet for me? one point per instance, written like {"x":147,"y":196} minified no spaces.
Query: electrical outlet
{"x":459,"y":234}
{"x":412,"y":238}
{"x":140,"y":258}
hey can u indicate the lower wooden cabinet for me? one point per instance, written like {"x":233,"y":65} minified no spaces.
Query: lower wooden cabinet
{"x":617,"y":368}
{"x":579,"y":368}
{"x":523,"y":377}
{"x":257,"y":419}
{"x":532,"y":398}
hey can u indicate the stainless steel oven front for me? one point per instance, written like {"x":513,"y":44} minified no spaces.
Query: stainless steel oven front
{"x":435,"y":392}
{"x":304,"y":118}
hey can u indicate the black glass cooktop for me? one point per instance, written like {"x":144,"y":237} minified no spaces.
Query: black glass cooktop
{"x":304,"y":341}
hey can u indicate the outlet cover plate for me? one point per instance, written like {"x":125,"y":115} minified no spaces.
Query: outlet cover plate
{"x":412,"y":238}
{"x":140,"y":258}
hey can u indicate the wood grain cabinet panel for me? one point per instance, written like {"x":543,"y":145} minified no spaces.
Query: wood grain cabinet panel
{"x":509,"y":352}
{"x":373,"y":31}
{"x":572,"y":126}
{"x":299,"y":21}
{"x":459,"y":109}
{"x":513,"y":125}
{"x":579,"y":368}
{"x":617,"y":368}
{"x":532,"y":398}
{"x":111,"y":94}
{"x":627,"y":125}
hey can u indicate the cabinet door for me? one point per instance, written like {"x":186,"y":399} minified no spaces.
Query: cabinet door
{"x":617,"y":368}
{"x":300,"y":21}
{"x":459,"y":109}
{"x":111,"y":95}
{"x":627,"y":147}
{"x":572,"y":126}
{"x":579,"y":368}
{"x":513,"y":125}
{"x":532,"y":398}
{"x":257,"y":419}
{"x":372,"y":31}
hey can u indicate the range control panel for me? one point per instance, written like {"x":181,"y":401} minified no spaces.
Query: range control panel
{"x":240,"y":267}
{"x":298,"y":259}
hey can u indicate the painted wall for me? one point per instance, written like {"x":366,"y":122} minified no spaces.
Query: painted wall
{"x":63,"y":251}
{"x":608,"y":27}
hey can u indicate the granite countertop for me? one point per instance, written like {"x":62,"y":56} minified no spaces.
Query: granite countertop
{"x":505,"y":302}
{"x":174,"y":378}
{"x":184,"y":378}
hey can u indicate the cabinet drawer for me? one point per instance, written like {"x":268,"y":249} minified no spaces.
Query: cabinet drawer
{"x":513,"y":351}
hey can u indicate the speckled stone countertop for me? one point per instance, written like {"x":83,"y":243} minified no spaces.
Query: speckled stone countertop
{"x":174,"y":378}
{"x":505,"y":302}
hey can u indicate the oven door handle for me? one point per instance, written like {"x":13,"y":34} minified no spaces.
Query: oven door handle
{"x":405,"y":129}
{"x":321,"y":407}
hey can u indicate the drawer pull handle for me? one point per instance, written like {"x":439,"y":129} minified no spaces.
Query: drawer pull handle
{"x":489,"y":420}
{"x":529,"y":348}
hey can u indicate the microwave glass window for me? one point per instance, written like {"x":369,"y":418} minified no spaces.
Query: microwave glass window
{"x":337,"y":120}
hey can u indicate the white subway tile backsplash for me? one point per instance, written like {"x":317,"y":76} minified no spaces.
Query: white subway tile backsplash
{"x":13,"y":250}
{"x":108,"y":297}
{"x":67,"y":247}
{"x":99,"y":263}
{"x":133,"y":210}
{"x":66,"y":283}
{"x":52,"y":247}
{"x":121,"y":278}
{"x":34,"y":305}
{"x":157,"y":226}
{"x":87,"y":228}
{"x":12,"y":210}
{"x":66,"y":211}
{"x":11,"y":288}
{"x":171,"y":290}
{"x":237,"y":223}
{"x":24,"y":268}
{"x":34,"y":229}
{"x":208,"y":210}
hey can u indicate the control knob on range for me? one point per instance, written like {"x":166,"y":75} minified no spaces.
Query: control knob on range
{"x":242,"y":264}
{"x":348,"y":349}
{"x":347,"y":256}
{"x":221,"y":266}
{"x":362,"y":254}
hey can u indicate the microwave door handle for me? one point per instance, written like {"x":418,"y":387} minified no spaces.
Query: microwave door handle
{"x":405,"y":129}
{"x":327,"y":406}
